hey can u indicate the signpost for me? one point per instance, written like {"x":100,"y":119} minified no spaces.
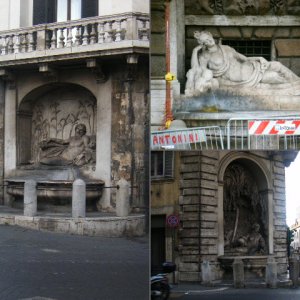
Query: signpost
{"x":172,"y":221}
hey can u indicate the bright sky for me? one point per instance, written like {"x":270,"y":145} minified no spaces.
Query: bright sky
{"x":292,"y":183}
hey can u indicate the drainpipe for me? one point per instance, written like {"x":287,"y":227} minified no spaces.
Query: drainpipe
{"x":199,"y":204}
{"x":168,"y":77}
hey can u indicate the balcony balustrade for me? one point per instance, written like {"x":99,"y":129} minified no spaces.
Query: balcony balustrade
{"x":104,"y":35}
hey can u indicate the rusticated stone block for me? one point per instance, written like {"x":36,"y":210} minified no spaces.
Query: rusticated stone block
{"x":288,"y":47}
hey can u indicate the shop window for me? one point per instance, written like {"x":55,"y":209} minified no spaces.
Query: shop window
{"x":162,"y":164}
{"x":49,"y":11}
{"x":251,"y":47}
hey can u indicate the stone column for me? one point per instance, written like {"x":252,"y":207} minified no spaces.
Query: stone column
{"x":122,"y":199}
{"x":103,"y":139}
{"x":78,"y":199}
{"x":271,"y":273}
{"x":238,"y":273}
{"x":30,"y":198}
{"x":206,"y":273}
{"x":177,"y":40}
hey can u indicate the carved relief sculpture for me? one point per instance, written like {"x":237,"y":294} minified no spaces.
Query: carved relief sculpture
{"x":64,"y":132}
{"x":77,"y":150}
{"x":215,"y":66}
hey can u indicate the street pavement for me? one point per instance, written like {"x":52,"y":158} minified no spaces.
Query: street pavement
{"x":43,"y":265}
{"x":228,"y":293}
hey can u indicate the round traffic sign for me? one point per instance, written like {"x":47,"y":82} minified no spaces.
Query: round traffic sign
{"x":172,"y":220}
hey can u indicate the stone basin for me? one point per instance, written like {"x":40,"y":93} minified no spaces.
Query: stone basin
{"x":254,"y":265}
{"x":53,"y":186}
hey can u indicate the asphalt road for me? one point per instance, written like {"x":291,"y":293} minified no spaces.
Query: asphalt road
{"x":56,"y":266}
{"x":238,"y":294}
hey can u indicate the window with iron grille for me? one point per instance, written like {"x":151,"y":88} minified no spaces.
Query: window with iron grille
{"x":251,"y":47}
{"x":162,"y":164}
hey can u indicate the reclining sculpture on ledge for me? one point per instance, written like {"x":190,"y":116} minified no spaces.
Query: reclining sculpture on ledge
{"x":78,"y":150}
{"x":216,"y":66}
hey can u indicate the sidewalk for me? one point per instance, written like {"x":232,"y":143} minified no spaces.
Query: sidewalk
{"x":186,"y":287}
{"x":94,"y":224}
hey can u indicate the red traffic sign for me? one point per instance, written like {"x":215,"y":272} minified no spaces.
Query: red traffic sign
{"x":172,"y":220}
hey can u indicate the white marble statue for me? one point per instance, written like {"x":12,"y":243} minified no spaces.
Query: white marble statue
{"x":216,"y":66}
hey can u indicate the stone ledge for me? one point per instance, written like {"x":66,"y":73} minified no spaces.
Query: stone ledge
{"x":96,"y":226}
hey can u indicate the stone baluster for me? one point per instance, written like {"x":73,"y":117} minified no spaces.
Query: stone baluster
{"x":17,"y":45}
{"x":101,"y":32}
{"x":110,"y":32}
{"x":144,"y":31}
{"x":85,"y":36}
{"x":53,"y":39}
{"x":4,"y":46}
{"x":93,"y":34}
{"x":77,"y":36}
{"x":61,"y":42}
{"x":48,"y":39}
{"x":119,"y":31}
{"x":10,"y":44}
{"x":23,"y":43}
{"x":30,"y":42}
{"x":69,"y":37}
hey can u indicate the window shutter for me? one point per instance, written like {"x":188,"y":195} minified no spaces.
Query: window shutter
{"x":169,"y":164}
{"x":43,"y":11}
{"x":89,"y":8}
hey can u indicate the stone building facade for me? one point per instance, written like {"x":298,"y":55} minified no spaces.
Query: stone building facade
{"x":65,"y":63}
{"x":202,"y":184}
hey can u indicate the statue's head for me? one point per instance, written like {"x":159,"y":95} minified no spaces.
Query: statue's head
{"x":256,"y":227}
{"x":80,"y":128}
{"x":204,"y":37}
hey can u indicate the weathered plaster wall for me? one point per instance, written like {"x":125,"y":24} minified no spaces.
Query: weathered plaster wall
{"x":165,"y":192}
{"x":130,"y":119}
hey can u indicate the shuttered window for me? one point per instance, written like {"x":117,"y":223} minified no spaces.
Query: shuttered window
{"x":162,"y":164}
{"x":44,"y":11}
{"x":49,"y":11}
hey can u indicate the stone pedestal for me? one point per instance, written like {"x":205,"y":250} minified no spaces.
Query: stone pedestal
{"x":271,"y":273}
{"x":30,"y":198}
{"x":122,"y":199}
{"x":78,"y":199}
{"x":206,"y":273}
{"x":294,"y":270}
{"x":238,"y":273}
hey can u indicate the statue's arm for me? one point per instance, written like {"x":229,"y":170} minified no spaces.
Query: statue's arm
{"x":58,"y":141}
{"x":194,"y":59}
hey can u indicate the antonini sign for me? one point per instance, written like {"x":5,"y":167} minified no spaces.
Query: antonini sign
{"x":173,"y":138}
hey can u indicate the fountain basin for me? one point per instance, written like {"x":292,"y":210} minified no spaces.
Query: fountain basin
{"x":254,"y":266}
{"x":54,"y":187}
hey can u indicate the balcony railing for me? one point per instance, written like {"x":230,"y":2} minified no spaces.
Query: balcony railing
{"x":76,"y":36}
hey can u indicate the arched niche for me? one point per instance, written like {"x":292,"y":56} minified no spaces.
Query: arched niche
{"x":244,"y":199}
{"x":52,"y":111}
